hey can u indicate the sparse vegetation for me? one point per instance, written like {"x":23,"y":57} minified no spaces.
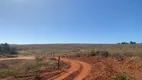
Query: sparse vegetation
{"x":118,"y":56}
{"x":104,"y":53}
{"x":53,"y":59}
{"x":122,"y":76}
{"x":7,"y":72}
{"x":16,"y":67}
{"x":101,"y":53}
{"x":78,"y":55}
{"x":119,"y":53}
{"x":92,"y":53}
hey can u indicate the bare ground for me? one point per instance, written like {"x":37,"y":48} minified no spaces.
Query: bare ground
{"x":107,"y":68}
{"x":78,"y":70}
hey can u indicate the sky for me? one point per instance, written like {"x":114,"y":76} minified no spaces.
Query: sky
{"x":70,"y":21}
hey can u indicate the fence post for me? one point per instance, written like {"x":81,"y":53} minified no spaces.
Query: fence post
{"x":59,"y":62}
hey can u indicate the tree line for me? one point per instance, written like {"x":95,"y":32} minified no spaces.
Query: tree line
{"x":6,"y":49}
{"x":131,"y":42}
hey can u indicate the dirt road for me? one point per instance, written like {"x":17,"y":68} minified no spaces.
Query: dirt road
{"x":79,"y":67}
{"x":29,"y":57}
{"x":78,"y":70}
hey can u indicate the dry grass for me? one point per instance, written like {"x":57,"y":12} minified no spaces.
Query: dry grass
{"x":15,"y":67}
{"x":120,"y":52}
{"x":70,"y":49}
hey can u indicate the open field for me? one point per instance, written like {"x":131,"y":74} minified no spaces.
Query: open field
{"x":107,"y":62}
{"x":71,"y":49}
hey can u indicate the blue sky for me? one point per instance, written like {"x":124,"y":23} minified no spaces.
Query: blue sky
{"x":70,"y":21}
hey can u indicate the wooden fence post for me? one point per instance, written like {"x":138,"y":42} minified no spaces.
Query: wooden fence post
{"x":59,"y":62}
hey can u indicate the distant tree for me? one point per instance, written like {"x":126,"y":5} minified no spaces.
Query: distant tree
{"x":118,"y":43}
{"x":131,"y":42}
{"x":124,"y":43}
{"x":5,"y":48}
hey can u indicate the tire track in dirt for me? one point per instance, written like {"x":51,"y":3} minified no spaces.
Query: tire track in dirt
{"x":78,"y":71}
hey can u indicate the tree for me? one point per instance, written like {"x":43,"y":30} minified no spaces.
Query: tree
{"x":118,"y":43}
{"x":131,"y":42}
{"x":13,"y":51}
{"x":124,"y":43}
{"x":6,"y":49}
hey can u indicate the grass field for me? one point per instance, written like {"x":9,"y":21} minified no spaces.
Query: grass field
{"x":70,"y":49}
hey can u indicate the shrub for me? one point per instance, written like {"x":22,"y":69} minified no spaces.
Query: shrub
{"x":118,"y":56}
{"x":39,"y":58}
{"x":129,"y":54}
{"x":122,"y":76}
{"x":53,"y":59}
{"x":37,"y":76}
{"x":30,"y":67}
{"x":104,"y":53}
{"x":101,"y":53}
{"x":7,"y":72}
{"x":92,"y":53}
{"x":78,"y":55}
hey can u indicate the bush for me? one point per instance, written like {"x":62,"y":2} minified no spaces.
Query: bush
{"x":7,"y":72}
{"x":78,"y":55}
{"x":53,"y":59}
{"x":104,"y":53}
{"x":92,"y":53}
{"x":118,"y":56}
{"x":101,"y":53}
{"x":129,"y":54}
{"x":122,"y":76}
{"x":39,"y":58}
{"x":32,"y":66}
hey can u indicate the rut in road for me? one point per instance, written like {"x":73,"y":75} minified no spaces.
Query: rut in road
{"x":83,"y":68}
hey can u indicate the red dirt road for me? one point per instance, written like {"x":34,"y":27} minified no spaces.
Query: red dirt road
{"x":83,"y":68}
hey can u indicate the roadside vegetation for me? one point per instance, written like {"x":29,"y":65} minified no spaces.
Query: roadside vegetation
{"x":7,"y":51}
{"x":122,"y":76}
{"x":100,"y":53}
{"x":31,"y":68}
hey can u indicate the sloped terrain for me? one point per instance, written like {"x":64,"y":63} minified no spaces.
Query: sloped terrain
{"x":107,"y":68}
